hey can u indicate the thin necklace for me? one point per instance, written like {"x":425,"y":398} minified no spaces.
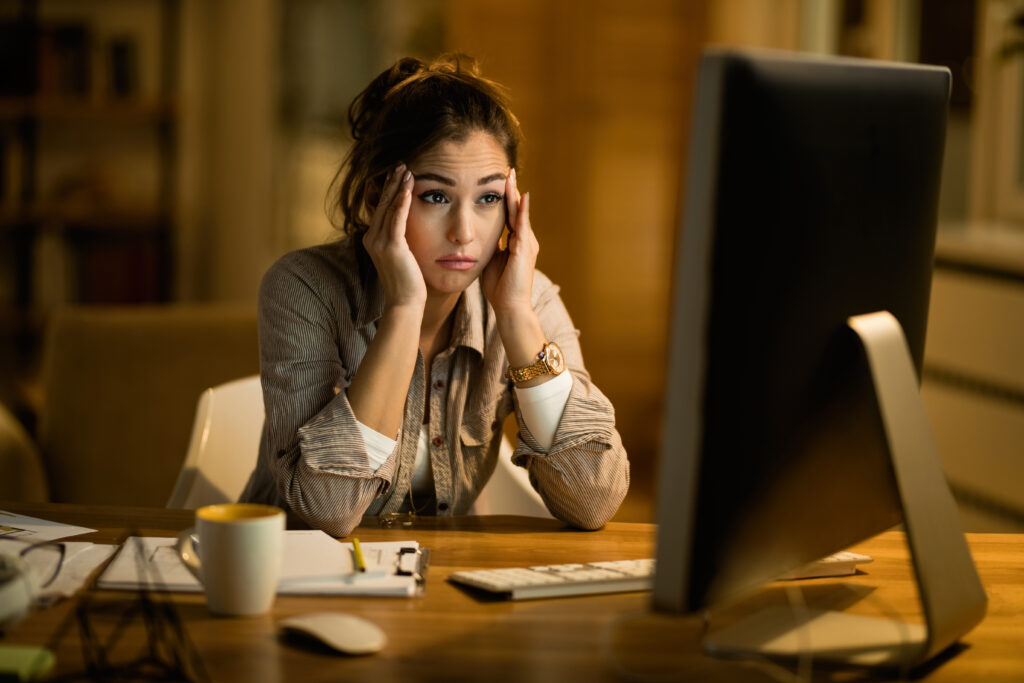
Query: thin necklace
{"x":388,"y":519}
{"x":413,"y":511}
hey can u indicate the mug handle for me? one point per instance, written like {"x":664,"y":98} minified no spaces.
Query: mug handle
{"x":187,"y":553}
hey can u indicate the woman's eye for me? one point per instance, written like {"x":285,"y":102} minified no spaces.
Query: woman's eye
{"x":434,"y":197}
{"x":492,"y":198}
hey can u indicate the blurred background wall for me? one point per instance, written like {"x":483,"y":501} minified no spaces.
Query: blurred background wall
{"x":171,"y":150}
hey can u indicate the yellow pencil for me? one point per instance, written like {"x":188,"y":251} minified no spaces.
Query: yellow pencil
{"x":357,"y":553}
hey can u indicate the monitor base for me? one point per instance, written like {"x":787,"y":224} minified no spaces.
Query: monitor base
{"x":835,"y":638}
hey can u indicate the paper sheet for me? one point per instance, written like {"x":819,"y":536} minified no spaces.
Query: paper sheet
{"x":313,"y":563}
{"x":32,"y":529}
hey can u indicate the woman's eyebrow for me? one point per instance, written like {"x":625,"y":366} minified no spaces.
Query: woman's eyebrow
{"x":436,"y":178}
{"x":451,"y":183}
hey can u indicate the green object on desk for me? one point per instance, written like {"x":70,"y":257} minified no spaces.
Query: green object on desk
{"x":24,"y":662}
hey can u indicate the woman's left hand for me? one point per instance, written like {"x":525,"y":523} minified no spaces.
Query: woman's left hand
{"x":507,"y":281}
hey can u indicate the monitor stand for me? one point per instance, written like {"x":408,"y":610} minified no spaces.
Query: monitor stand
{"x":952,"y":597}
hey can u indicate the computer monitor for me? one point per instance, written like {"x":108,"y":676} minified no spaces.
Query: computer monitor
{"x":811,"y":198}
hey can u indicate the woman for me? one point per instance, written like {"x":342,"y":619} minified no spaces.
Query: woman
{"x":391,"y":358}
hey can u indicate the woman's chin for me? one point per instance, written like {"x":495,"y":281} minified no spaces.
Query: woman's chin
{"x":452,"y":282}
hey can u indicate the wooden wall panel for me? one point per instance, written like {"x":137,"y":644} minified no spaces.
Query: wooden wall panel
{"x":765,"y":23}
{"x":603,"y":90}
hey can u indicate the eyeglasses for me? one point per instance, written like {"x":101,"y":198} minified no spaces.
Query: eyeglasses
{"x":24,"y":575}
{"x":48,"y":558}
{"x":42,"y":560}
{"x":388,"y":520}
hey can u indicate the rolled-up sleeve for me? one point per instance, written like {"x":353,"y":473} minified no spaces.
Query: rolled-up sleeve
{"x":584,"y":476}
{"x":312,"y":445}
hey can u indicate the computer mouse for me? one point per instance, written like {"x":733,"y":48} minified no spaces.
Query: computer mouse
{"x":345,"y":633}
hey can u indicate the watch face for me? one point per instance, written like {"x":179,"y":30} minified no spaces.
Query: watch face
{"x":553,"y":358}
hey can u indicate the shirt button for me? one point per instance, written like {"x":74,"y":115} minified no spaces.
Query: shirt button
{"x":439,"y":384}
{"x":438,"y":441}
{"x":442,"y":506}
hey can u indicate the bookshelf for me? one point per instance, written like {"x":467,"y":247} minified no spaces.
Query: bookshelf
{"x":88,"y":155}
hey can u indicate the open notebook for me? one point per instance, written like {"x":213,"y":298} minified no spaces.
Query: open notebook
{"x":313,"y":563}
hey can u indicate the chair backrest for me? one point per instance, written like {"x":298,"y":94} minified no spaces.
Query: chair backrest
{"x":224,"y":445}
{"x":119,"y":392}
{"x":508,"y":492}
{"x":226,"y":439}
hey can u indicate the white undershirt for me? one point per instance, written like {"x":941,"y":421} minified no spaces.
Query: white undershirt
{"x":542,"y":407}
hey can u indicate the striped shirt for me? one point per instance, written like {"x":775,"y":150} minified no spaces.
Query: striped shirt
{"x":318,"y":313}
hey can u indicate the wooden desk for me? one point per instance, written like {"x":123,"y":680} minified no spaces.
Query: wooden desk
{"x":449,"y":635}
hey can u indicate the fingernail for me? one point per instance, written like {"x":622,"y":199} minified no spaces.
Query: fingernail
{"x":407,"y":176}
{"x":513,"y":174}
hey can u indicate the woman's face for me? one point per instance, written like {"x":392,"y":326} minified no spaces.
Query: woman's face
{"x":458,"y":210}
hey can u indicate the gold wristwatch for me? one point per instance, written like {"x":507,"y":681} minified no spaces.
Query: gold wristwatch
{"x":550,"y":361}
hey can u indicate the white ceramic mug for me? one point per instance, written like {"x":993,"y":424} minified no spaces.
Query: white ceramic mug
{"x":236,"y":555}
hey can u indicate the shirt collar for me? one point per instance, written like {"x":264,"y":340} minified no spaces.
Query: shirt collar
{"x":468,"y":328}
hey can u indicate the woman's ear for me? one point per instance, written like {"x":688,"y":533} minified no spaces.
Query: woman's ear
{"x":371,"y":197}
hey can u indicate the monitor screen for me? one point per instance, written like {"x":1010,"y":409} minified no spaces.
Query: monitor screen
{"x":811,"y":196}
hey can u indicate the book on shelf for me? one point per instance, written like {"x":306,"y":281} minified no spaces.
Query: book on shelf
{"x":122,"y":67}
{"x":4,"y":171}
{"x":17,"y":79}
{"x":11,"y":180}
{"x":64,"y":60}
{"x":58,"y":61}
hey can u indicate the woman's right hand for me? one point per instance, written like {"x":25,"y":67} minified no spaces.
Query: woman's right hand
{"x":399,"y":273}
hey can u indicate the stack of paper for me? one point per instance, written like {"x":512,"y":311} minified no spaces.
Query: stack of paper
{"x":313,"y":564}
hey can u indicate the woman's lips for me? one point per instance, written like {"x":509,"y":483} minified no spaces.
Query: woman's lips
{"x":456,"y":262}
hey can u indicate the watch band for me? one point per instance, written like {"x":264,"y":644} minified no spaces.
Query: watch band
{"x":549,"y":362}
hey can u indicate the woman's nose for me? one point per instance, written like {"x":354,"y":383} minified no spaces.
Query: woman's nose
{"x":461,"y":229}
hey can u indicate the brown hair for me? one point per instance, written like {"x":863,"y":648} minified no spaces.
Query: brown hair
{"x":405,"y":111}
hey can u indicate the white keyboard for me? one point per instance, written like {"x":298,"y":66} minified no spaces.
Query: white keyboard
{"x":557,"y":580}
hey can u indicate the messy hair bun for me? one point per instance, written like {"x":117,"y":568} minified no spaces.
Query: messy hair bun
{"x":405,"y":111}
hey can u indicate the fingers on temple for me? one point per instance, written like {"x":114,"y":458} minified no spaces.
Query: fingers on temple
{"x":512,"y":198}
{"x":391,"y":186}
{"x":386,"y":206}
{"x":401,"y":207}
{"x":523,"y":226}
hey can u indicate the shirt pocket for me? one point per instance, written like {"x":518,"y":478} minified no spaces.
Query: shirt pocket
{"x":482,"y":420}
{"x":478,"y":429}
